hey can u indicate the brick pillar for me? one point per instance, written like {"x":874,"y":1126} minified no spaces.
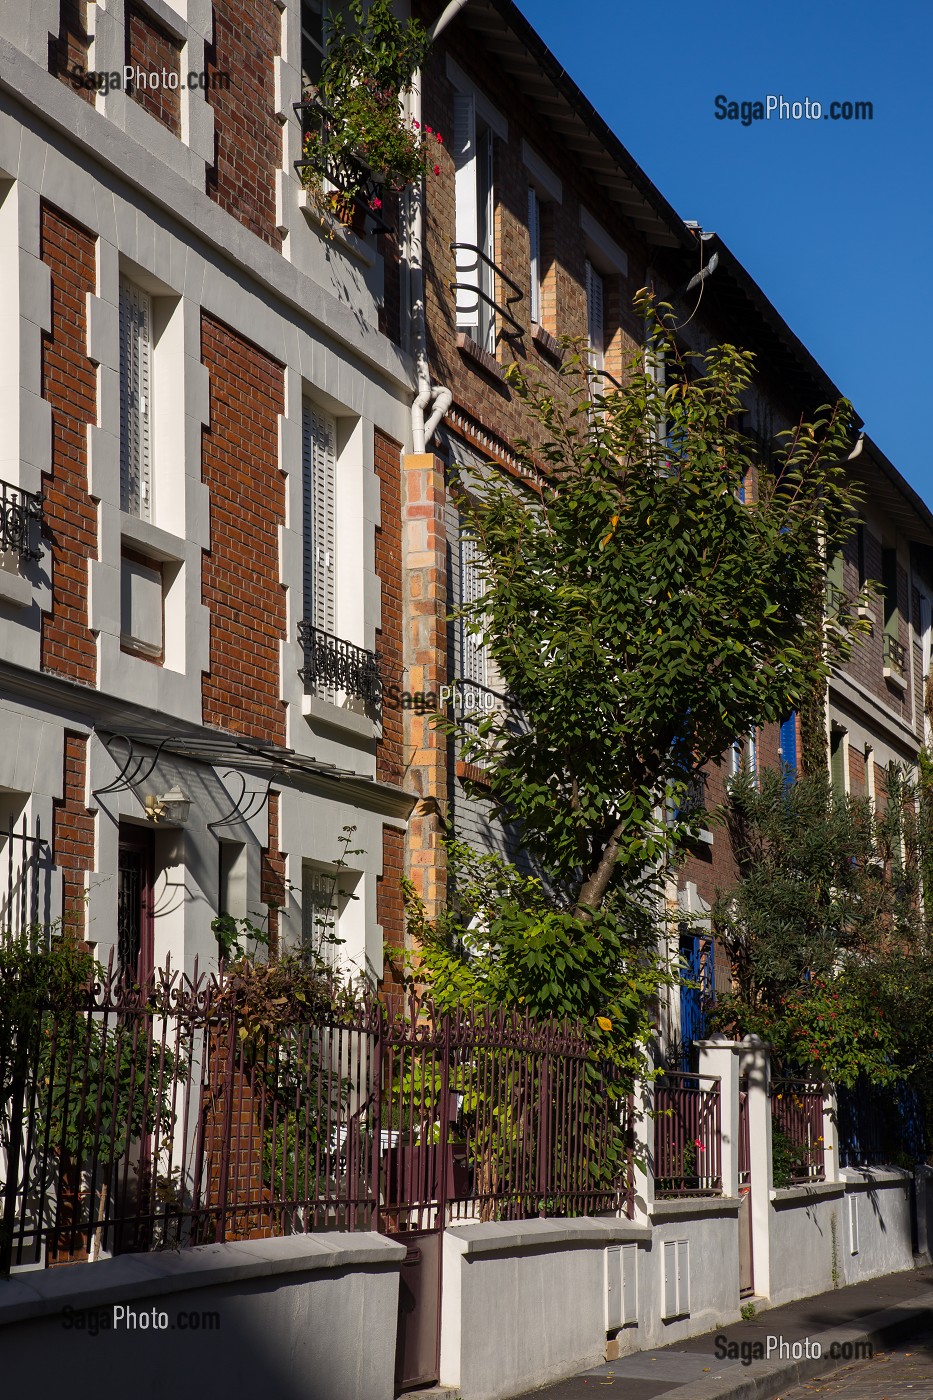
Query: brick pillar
{"x":73,"y":834}
{"x":425,"y":567}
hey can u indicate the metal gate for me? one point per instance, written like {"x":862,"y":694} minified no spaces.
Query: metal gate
{"x":746,"y":1258}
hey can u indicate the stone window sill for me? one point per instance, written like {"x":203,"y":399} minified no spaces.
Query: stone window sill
{"x":548,"y":344}
{"x":14,"y":588}
{"x":471,"y":351}
{"x":335,"y":232}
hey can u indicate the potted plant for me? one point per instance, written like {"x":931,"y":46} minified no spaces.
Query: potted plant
{"x":357,"y":138}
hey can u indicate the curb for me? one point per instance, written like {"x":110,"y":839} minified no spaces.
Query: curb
{"x":763,"y":1380}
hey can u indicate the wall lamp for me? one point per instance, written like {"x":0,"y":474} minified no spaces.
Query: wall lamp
{"x":173,"y":806}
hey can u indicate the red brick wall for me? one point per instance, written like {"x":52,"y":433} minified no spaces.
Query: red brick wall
{"x":69,"y":49}
{"x":247,"y":135}
{"x":856,"y":772}
{"x":240,"y":575}
{"x":272,"y":873}
{"x":73,"y":833}
{"x":150,"y":48}
{"x":69,"y":383}
{"x":390,"y":766}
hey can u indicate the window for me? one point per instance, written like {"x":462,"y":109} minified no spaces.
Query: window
{"x":595,"y":316}
{"x":788,"y":747}
{"x":142,"y":626}
{"x":474,"y":659}
{"x":838,"y":744}
{"x":319,"y":472}
{"x":534,"y":243}
{"x":312,"y":42}
{"x":475,"y":222}
{"x":889,"y":585}
{"x":135,"y":400}
{"x":323,"y":901}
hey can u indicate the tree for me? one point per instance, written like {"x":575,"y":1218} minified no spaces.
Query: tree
{"x":824,"y":926}
{"x":650,"y":590}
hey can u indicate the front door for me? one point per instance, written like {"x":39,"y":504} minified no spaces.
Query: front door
{"x":135,"y":869}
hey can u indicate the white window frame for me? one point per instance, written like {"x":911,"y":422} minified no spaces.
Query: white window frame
{"x":319,"y":517}
{"x":135,"y":317}
{"x":595,"y":316}
{"x":534,"y":254}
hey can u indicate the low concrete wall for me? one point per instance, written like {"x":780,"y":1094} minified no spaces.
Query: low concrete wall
{"x":711,"y":1229}
{"x":304,"y":1318}
{"x":811,"y":1239}
{"x":524,"y":1304}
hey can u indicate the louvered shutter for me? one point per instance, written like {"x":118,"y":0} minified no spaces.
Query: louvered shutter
{"x":135,"y":400}
{"x":319,"y":517}
{"x":595,"y":315}
{"x":534,"y":243}
{"x":473,"y":661}
{"x":467,"y":212}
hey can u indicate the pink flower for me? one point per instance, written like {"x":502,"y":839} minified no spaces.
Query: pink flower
{"x":438,"y":138}
{"x":698,"y":1143}
{"x":429,"y":130}
{"x":437,"y":170}
{"x":377,"y":203}
{"x":416,"y":125}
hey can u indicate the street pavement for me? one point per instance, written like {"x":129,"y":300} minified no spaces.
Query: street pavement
{"x":880,"y":1315}
{"x":896,"y":1374}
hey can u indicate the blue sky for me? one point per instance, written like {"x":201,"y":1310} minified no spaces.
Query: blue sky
{"x":833,"y":219}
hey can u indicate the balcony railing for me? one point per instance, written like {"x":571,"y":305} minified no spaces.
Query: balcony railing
{"x":18,"y":509}
{"x":475,"y":289}
{"x":347,"y":172}
{"x":895,"y":655}
{"x":333,"y":664}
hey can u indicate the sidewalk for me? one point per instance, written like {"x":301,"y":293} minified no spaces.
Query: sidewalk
{"x":878,"y":1311}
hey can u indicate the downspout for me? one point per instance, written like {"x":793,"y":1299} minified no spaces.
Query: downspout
{"x":433,"y":399}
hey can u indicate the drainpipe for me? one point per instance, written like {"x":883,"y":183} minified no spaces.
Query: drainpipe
{"x":433,"y":399}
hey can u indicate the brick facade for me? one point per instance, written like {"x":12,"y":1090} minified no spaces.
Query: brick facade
{"x":427,"y":601}
{"x":68,"y":49}
{"x":69,"y":384}
{"x":150,"y":49}
{"x":73,"y":833}
{"x":240,"y":573}
{"x":247,"y":133}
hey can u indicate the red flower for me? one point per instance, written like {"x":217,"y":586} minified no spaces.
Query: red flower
{"x":438,"y":138}
{"x":377,"y":203}
{"x":437,"y":170}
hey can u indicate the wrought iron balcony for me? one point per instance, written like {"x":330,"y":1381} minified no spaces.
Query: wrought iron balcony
{"x":347,"y":172}
{"x":693,"y":802}
{"x":476,"y":289}
{"x":18,"y":509}
{"x":333,"y":664}
{"x":895,"y":655}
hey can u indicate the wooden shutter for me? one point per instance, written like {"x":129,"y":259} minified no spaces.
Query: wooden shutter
{"x":534,"y":243}
{"x":319,"y":490}
{"x":473,"y":660}
{"x":788,"y":747}
{"x":595,"y":315}
{"x":135,"y":400}
{"x":467,"y":212}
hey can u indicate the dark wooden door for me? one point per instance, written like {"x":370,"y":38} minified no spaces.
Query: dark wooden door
{"x":135,"y":872}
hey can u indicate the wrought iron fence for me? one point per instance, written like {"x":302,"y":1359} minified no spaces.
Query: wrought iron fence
{"x":18,"y":509}
{"x":687,"y":1135}
{"x":880,"y":1125}
{"x":152,"y":1117}
{"x":344,"y":171}
{"x":333,"y":664}
{"x":482,"y":269}
{"x":797,"y":1130}
{"x":25,"y":868}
